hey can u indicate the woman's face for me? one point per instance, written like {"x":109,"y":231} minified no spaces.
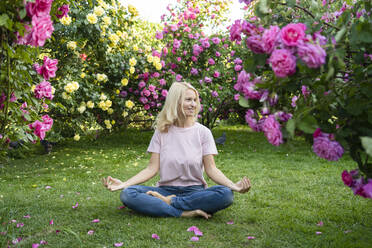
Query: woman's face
{"x":189,"y":103}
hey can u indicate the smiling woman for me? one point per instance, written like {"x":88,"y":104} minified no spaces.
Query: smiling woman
{"x":181,"y":149}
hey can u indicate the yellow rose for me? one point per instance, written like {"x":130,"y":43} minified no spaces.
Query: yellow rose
{"x":53,"y":90}
{"x":132,"y":10}
{"x":135,"y":48}
{"x":77,"y":137}
{"x":71,"y":45}
{"x":110,"y":111}
{"x":69,"y":88}
{"x":124,"y":36}
{"x":158,"y":66}
{"x":66,"y":20}
{"x":124,"y":114}
{"x":132,"y":62}
{"x":102,"y":105}
{"x":124,"y":82}
{"x":131,"y":70}
{"x":106,"y":20}
{"x":64,"y":95}
{"x":81,"y":109}
{"x":90,"y":104}
{"x":114,"y":38}
{"x":117,"y":92}
{"x":156,"y":59}
{"x":149,"y":59}
{"x":101,"y":77}
{"x":113,"y":122}
{"x":103,"y":97}
{"x":98,"y":11}
{"x":92,"y":18}
{"x":129,"y":104}
{"x":108,"y":104}
{"x":75,"y":85}
{"x":82,"y":75}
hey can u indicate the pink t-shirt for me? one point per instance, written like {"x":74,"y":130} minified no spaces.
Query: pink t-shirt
{"x":181,"y":154}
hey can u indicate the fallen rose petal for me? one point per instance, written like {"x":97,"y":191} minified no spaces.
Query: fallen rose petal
{"x":76,"y":205}
{"x":95,"y":221}
{"x":61,"y":196}
{"x":3,"y":233}
{"x":48,"y":187}
{"x":194,"y":238}
{"x":43,"y":242}
{"x":14,"y":221}
{"x":320,"y":223}
{"x":121,"y":207}
{"x":35,"y":245}
{"x":58,"y":231}
{"x":192,"y":228}
{"x":347,"y":231}
{"x":27,"y":216}
{"x":51,"y":222}
{"x":230,"y":222}
{"x":318,"y":233}
{"x":19,"y":225}
{"x":118,"y":244}
{"x":155,"y":236}
{"x":90,"y":232}
{"x":198,"y":233}
{"x":251,"y":237}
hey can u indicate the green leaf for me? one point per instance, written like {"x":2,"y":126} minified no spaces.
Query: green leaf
{"x":308,"y":124}
{"x":330,"y":73}
{"x":4,"y":19}
{"x":22,"y":13}
{"x":243,"y":102}
{"x":340,"y":34}
{"x":367,"y":144}
{"x":291,"y":3}
{"x":291,"y":126}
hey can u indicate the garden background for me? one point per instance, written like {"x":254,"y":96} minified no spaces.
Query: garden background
{"x":81,"y":84}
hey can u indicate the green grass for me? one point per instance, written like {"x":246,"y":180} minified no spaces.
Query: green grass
{"x":292,"y":191}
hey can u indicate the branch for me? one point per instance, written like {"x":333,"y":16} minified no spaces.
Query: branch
{"x":311,"y":14}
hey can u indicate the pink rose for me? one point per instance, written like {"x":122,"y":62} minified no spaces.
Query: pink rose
{"x":326,"y":148}
{"x":47,"y":122}
{"x":235,"y":31}
{"x":292,"y":33}
{"x":347,"y":178}
{"x":39,"y":129}
{"x":255,"y":43}
{"x":49,"y":68}
{"x":43,"y":90}
{"x":312,"y":54}
{"x":269,"y":38}
{"x":283,"y":62}
{"x":64,"y":9}
{"x":271,"y":128}
{"x":42,"y":29}
{"x":38,"y":8}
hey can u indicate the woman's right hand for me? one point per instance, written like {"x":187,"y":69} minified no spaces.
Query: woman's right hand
{"x":113,"y":184}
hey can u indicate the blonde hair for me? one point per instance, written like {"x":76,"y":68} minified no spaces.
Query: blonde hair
{"x":172,"y":112}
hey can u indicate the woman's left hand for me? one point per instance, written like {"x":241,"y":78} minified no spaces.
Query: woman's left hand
{"x":243,"y":186}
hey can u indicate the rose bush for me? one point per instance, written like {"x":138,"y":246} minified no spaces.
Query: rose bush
{"x":307,"y":69}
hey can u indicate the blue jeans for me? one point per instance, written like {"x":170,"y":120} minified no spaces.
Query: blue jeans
{"x":188,"y":198}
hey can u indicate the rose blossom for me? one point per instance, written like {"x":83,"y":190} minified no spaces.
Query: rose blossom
{"x":326,"y":148}
{"x":48,"y":69}
{"x":42,"y":29}
{"x":64,"y":9}
{"x":216,"y":74}
{"x":38,"y":8}
{"x":283,"y":62}
{"x":347,"y":178}
{"x":292,"y":33}
{"x":211,"y":61}
{"x":194,"y":71}
{"x":43,"y":89}
{"x":312,"y":54}
{"x":271,"y":128}
{"x":269,"y":39}
{"x":235,"y":31}
{"x":254,"y":43}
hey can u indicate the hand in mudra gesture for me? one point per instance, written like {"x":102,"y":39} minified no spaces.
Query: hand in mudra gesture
{"x":243,"y":186}
{"x":112,"y":184}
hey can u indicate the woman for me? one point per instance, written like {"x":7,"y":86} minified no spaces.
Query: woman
{"x":181,"y":149}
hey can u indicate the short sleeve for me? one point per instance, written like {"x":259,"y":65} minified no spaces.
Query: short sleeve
{"x":208,"y":144}
{"x":155,"y":143}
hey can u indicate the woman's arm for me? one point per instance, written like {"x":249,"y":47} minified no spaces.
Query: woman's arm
{"x":218,"y":177}
{"x":146,"y":174}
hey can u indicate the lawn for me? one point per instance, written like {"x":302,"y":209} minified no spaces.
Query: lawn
{"x":56,"y":197}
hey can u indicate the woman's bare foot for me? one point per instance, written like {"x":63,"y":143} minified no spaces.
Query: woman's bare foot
{"x":195,"y":213}
{"x":166,"y":199}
